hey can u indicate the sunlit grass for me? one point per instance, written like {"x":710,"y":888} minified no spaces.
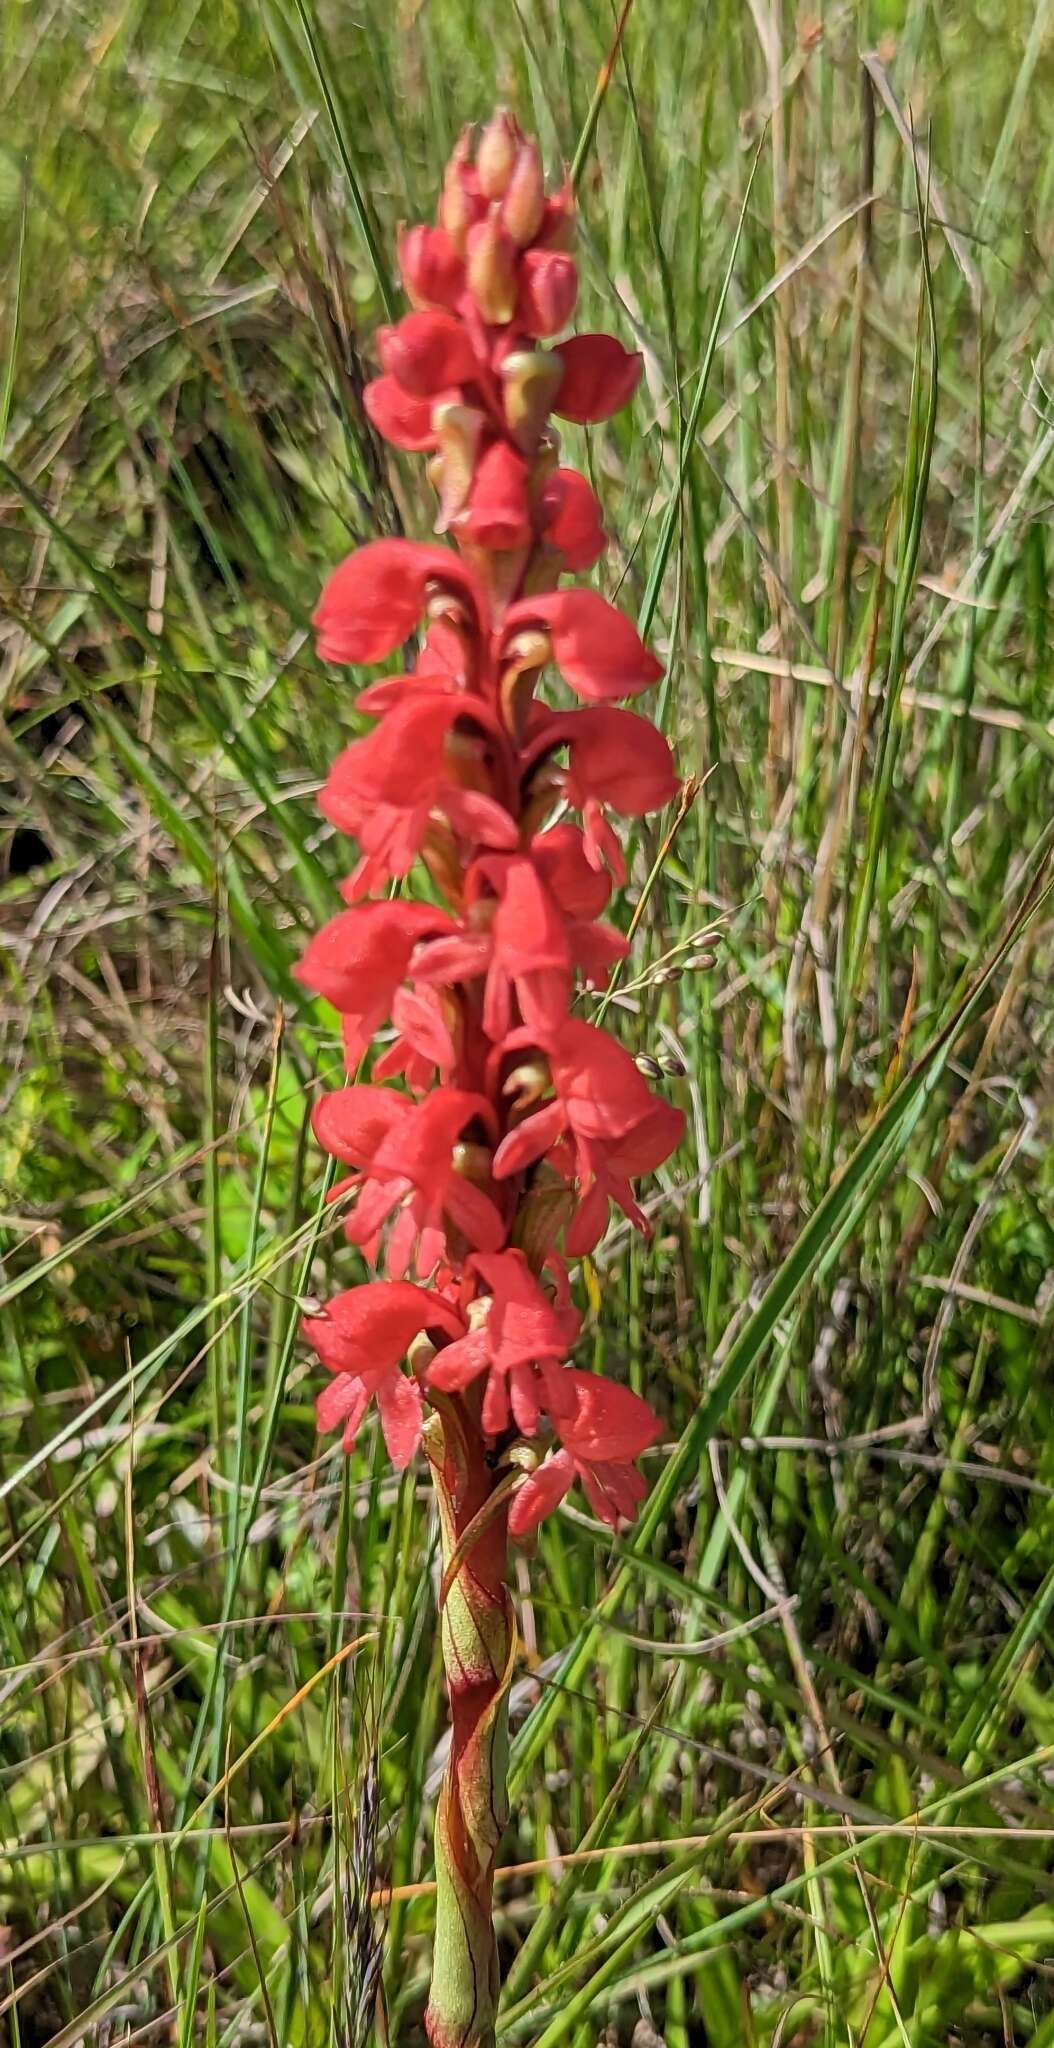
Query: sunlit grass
{"x":781,"y":1758}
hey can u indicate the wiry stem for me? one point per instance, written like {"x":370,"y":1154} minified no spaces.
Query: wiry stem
{"x":479,"y":1640}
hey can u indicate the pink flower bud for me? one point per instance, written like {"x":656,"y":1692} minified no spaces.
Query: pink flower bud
{"x":496,"y":155}
{"x":523,"y":208}
{"x":548,"y":290}
{"x":433,"y":272}
{"x":491,"y":270}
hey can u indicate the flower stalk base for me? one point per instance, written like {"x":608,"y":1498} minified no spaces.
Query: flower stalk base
{"x":479,"y":1644}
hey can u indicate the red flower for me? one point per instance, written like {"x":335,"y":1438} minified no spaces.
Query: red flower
{"x":372,"y":603}
{"x":609,"y":1428}
{"x":406,"y":1157}
{"x":607,"y":1169}
{"x":523,"y":939}
{"x":459,"y":769}
{"x":603,"y":1125}
{"x":595,"y":647}
{"x":520,"y":1343}
{"x":385,"y":788}
{"x":424,"y":1044}
{"x":600,"y":1092}
{"x":599,"y":377}
{"x":427,"y":353}
{"x":405,"y":421}
{"x":362,"y":1337}
{"x":614,"y":760}
{"x":561,"y":857}
{"x":359,"y":958}
{"x":521,"y":1121}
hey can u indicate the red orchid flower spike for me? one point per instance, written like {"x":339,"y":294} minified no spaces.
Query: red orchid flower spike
{"x":515,"y":1123}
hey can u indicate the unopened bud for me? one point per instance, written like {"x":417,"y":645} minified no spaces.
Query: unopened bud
{"x":496,"y":155}
{"x":458,"y":429}
{"x":524,"y":203}
{"x":558,"y":225}
{"x":459,"y":206}
{"x":491,"y":270}
{"x":672,"y":1063}
{"x":664,"y":974}
{"x":647,"y":1066}
{"x":531,"y":380}
{"x":548,"y":290}
{"x":700,"y":961}
{"x":433,"y":272}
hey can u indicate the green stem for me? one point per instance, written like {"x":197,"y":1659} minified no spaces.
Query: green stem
{"x":479,"y":1642}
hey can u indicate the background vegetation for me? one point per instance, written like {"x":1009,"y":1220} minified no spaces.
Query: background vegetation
{"x":799,"y":1726}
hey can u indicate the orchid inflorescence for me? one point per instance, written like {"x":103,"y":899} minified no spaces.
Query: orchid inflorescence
{"x":518,"y":1122}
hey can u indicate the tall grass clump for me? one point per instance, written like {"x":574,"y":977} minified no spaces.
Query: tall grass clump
{"x":779,"y":1749}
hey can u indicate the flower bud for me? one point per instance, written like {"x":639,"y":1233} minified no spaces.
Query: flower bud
{"x":523,"y":208}
{"x":531,"y":381}
{"x":491,"y":270}
{"x":461,"y":203}
{"x":433,"y":272}
{"x":558,"y":222}
{"x":548,"y":290}
{"x":496,"y":155}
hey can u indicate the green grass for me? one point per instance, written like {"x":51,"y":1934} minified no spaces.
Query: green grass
{"x":799,"y":1723}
